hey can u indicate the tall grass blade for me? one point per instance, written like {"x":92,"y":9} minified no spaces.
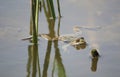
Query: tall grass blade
{"x":59,"y":8}
{"x":35,"y":14}
{"x":51,"y":7}
{"x":31,"y":25}
{"x":58,"y":33}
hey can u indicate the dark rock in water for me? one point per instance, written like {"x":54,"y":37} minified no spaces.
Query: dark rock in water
{"x":94,"y":53}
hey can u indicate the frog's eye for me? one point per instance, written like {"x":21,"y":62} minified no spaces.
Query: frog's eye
{"x":82,"y":38}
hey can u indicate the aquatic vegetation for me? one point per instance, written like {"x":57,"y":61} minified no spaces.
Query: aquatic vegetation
{"x":36,"y":8}
{"x":34,"y":20}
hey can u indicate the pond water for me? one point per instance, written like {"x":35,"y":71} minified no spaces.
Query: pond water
{"x":20,"y":58}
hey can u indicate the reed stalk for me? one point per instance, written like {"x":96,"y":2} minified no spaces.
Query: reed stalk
{"x":58,"y":3}
{"x":52,"y":8}
{"x":35,"y":15}
{"x":49,"y":11}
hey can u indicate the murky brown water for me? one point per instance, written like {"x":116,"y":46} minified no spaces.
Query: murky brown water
{"x":55,"y":58}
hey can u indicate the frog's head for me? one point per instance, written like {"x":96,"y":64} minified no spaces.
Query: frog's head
{"x":81,"y":44}
{"x":81,"y":39}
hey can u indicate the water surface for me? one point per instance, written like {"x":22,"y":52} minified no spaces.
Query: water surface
{"x":49,"y":58}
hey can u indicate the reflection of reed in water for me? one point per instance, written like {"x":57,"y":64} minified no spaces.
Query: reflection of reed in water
{"x":58,"y":65}
{"x":33,"y":66}
{"x":57,"y":61}
{"x":47,"y":59}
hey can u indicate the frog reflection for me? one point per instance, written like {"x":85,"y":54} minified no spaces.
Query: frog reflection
{"x":95,"y":56}
{"x":79,"y":46}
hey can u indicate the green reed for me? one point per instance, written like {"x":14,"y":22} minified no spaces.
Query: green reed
{"x":58,"y":3}
{"x":34,"y":19}
{"x":33,"y":61}
{"x":36,"y":8}
{"x":51,"y":8}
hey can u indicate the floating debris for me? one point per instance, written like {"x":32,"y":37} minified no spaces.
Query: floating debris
{"x":27,"y":38}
